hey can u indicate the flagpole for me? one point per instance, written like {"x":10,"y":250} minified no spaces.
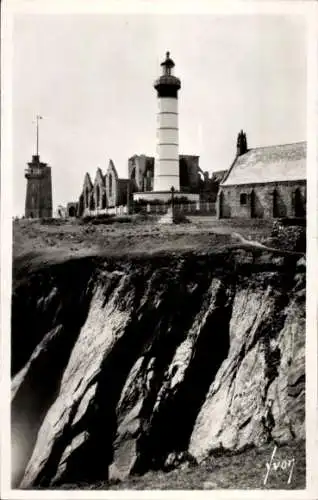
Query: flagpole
{"x":37,"y":135}
{"x":38,"y":117}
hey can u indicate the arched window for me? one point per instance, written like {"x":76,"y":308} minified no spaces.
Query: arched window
{"x":298,"y":203}
{"x":243,"y":198}
{"x":86,"y":201}
{"x":110,"y":185}
{"x":104,"y":200}
{"x":275,"y":204}
{"x":92,"y":203}
{"x":97,"y":196}
{"x":71,"y":212}
{"x":221,"y":205}
{"x":81,"y":205}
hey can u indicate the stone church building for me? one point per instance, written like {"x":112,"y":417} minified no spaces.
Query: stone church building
{"x":265,"y":182}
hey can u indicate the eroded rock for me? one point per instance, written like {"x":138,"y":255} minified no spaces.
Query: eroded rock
{"x":174,"y":360}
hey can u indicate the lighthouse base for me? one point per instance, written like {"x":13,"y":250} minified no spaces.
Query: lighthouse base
{"x":153,"y":197}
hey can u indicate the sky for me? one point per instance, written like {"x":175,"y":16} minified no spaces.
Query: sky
{"x":91,"y":78}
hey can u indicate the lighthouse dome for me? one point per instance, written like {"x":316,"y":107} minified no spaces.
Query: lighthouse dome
{"x":167,"y":84}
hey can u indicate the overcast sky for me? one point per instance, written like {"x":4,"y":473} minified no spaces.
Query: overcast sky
{"x":91,"y":78}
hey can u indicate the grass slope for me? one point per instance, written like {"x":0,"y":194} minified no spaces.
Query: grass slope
{"x":224,"y":470}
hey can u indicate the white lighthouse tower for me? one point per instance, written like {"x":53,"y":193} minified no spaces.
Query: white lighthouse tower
{"x":166,"y":171}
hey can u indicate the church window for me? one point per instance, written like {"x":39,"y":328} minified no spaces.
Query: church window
{"x":97,"y":196}
{"x":86,"y":198}
{"x":110,"y":185}
{"x":243,"y":199}
{"x":104,"y":201}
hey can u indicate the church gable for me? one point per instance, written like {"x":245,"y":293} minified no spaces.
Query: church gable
{"x":87,"y":182}
{"x":111,"y":184}
{"x":99,"y":190}
{"x":111,"y":170}
{"x":87,"y":194}
{"x":99,"y":178}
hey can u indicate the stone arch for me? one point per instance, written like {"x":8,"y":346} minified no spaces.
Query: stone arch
{"x":87,"y":189}
{"x":275,"y":203}
{"x":99,"y":185}
{"x":104,"y":199}
{"x":253,"y":204}
{"x":72,"y":211}
{"x":110,"y":184}
{"x":92,"y":203}
{"x":298,"y":203}
{"x":86,"y":201}
{"x":221,"y":204}
{"x":80,"y":205}
{"x":97,"y":196}
{"x":133,"y":174}
{"x":133,"y":178}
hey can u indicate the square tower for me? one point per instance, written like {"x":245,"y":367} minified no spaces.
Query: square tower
{"x":38,"y":201}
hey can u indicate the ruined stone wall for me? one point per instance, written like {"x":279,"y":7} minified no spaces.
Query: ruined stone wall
{"x":72,"y":209}
{"x":122,"y":187}
{"x":189,"y":173}
{"x":141,"y":172}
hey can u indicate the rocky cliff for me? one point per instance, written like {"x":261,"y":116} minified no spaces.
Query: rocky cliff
{"x":124,"y":366}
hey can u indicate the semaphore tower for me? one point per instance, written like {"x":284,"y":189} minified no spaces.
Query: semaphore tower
{"x":38,"y":201}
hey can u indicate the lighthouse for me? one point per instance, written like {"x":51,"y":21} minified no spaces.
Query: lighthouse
{"x":168,"y":186}
{"x":166,"y":170}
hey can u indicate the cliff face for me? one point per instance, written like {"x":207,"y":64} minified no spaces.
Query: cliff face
{"x":130,"y":365}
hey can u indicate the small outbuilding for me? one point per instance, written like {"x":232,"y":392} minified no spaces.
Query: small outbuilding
{"x":265,"y":182}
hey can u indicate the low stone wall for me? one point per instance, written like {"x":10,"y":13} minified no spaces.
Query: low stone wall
{"x":199,"y":208}
{"x":187,"y":208}
{"x":121,"y":210}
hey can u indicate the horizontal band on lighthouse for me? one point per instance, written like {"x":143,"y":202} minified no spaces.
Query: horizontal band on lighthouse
{"x":167,"y":159}
{"x":167,"y":175}
{"x":167,"y":128}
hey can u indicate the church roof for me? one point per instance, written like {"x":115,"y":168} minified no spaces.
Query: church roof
{"x":285,"y":162}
